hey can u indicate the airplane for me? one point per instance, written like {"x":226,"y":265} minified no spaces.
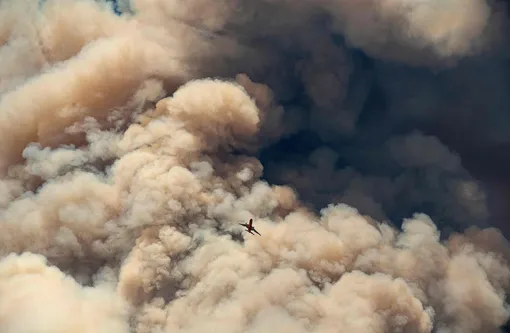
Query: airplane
{"x":249,"y":227}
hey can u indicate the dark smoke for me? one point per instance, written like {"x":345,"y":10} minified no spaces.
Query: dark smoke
{"x":366,"y":138}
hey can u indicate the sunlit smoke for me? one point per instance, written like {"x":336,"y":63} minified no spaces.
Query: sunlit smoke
{"x":133,"y":145}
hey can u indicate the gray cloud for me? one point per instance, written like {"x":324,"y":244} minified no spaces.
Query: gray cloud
{"x":132,"y":146}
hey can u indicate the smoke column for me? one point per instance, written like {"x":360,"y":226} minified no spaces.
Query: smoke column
{"x":135,"y":136}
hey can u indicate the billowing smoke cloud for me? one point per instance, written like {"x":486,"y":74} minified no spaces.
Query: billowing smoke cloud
{"x":132,"y":145}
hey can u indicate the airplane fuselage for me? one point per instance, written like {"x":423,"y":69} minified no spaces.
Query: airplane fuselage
{"x":249,"y":227}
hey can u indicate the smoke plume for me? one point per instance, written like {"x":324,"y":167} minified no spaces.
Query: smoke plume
{"x":136,"y":135}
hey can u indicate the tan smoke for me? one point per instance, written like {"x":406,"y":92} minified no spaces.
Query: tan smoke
{"x":125,"y":174}
{"x":418,"y":32}
{"x":40,"y":298}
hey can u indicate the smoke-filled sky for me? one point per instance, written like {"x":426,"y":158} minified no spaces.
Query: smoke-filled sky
{"x":367,"y":139}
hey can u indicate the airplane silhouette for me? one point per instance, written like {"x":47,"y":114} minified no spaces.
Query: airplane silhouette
{"x":249,"y":227}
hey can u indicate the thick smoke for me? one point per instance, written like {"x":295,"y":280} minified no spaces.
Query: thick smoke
{"x":132,"y":146}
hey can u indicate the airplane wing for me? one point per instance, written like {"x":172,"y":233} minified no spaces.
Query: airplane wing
{"x":256,"y":232}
